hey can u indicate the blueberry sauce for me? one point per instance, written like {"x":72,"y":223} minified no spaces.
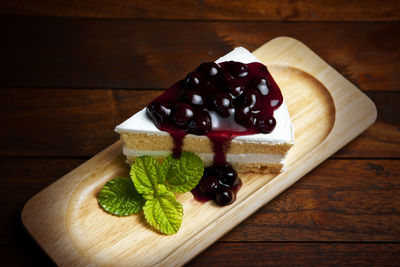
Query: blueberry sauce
{"x":220,"y":183}
{"x":221,"y":101}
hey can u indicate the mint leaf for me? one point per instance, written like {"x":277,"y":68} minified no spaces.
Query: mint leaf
{"x":120,"y":198}
{"x":146,"y":175}
{"x":164,"y":212}
{"x":149,"y":188}
{"x":183,"y":174}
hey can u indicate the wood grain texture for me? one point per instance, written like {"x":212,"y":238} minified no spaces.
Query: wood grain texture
{"x":383,"y":138}
{"x":340,"y":200}
{"x":80,"y":122}
{"x":314,"y":209}
{"x":80,"y":53}
{"x":70,"y":52}
{"x":20,"y":179}
{"x":54,"y":121}
{"x":286,"y":10}
{"x":72,"y":212}
{"x":250,"y":254}
{"x":27,"y":253}
{"x":304,"y":254}
{"x":87,"y":53}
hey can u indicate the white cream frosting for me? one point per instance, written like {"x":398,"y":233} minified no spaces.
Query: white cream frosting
{"x":283,"y":132}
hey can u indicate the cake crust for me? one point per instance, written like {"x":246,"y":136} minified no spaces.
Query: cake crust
{"x":197,"y":144}
{"x":273,"y":168}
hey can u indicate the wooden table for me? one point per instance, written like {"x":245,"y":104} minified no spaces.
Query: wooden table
{"x":72,"y":70}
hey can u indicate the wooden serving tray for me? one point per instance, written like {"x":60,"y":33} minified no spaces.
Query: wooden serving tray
{"x":65,"y":219}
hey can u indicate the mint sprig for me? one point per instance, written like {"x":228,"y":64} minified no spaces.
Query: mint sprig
{"x":183,"y":174}
{"x":151,"y":188}
{"x":164,"y":212}
{"x":119,"y":197}
{"x":145,"y":174}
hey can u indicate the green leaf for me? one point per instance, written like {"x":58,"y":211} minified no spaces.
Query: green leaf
{"x":120,"y":198}
{"x":183,"y":174}
{"x":164,"y":212}
{"x":146,"y":175}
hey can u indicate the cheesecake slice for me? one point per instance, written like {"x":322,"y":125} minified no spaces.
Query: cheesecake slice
{"x":230,"y":111}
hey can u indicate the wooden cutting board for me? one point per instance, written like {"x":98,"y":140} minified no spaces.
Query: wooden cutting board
{"x":65,"y":219}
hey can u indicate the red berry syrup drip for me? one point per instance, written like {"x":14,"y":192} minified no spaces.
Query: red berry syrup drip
{"x":178,"y":143}
{"x":244,"y":93}
{"x":221,"y":145}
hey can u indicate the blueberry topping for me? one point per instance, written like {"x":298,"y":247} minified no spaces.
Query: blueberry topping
{"x":193,"y":98}
{"x":228,"y":78}
{"x":201,"y":124}
{"x":159,"y":112}
{"x":209,"y":185}
{"x":266,"y":125}
{"x":183,"y":113}
{"x":252,"y":99}
{"x":223,"y":102}
{"x":235,"y":89}
{"x":245,"y":93}
{"x":243,"y":114}
{"x":193,"y":79}
{"x":210,"y":69}
{"x":275,"y":103}
{"x":239,"y":69}
{"x":228,"y":176}
{"x":261,"y":84}
{"x":224,"y":196}
{"x":219,"y":182}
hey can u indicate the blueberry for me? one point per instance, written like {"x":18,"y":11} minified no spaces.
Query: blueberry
{"x":182,"y":114}
{"x":209,"y":69}
{"x":275,"y":103}
{"x":209,"y":171}
{"x":239,"y":69}
{"x":266,"y":125}
{"x":243,"y":115}
{"x":252,"y":99}
{"x":235,"y":89}
{"x":223,"y":102}
{"x":158,"y":111}
{"x":201,"y":124}
{"x":224,"y":196}
{"x":193,"y":79}
{"x":261,"y":84}
{"x":228,"y":176}
{"x":208,"y":185}
{"x":228,"y":78}
{"x":193,"y":98}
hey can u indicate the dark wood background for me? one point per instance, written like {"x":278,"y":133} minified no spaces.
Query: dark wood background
{"x":71,"y":70}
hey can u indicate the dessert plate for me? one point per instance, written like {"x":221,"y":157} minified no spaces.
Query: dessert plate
{"x":65,"y":219}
